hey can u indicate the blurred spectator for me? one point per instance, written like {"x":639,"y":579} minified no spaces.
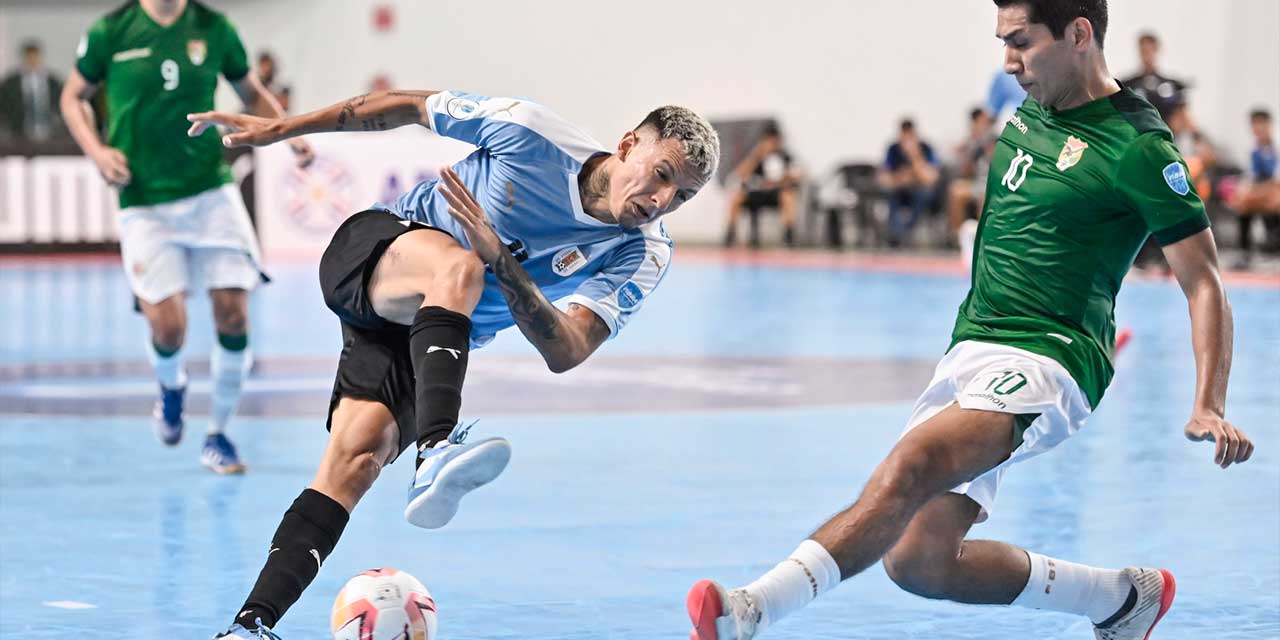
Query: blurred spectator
{"x":1004,"y":96}
{"x":969,"y":185}
{"x":767,"y":179}
{"x":1196,"y":149}
{"x":29,"y":100}
{"x":1260,"y":196}
{"x":1161,"y":91}
{"x":267,"y":72}
{"x":380,"y":82}
{"x":909,"y":176}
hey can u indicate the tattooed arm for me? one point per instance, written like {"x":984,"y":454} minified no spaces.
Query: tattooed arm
{"x":563,"y":339}
{"x":377,"y":111}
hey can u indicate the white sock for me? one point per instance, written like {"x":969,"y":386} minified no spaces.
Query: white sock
{"x":228,"y":370}
{"x":807,"y":573}
{"x":169,"y":370}
{"x":1058,"y":585}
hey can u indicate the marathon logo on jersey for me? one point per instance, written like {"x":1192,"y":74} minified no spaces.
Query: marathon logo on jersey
{"x":1176,"y":177}
{"x":629,"y":295}
{"x":462,"y":108}
{"x":197,"y":50}
{"x":1072,"y":151}
{"x":568,"y":261}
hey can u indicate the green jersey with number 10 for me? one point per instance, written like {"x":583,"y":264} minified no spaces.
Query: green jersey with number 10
{"x":1071,"y":197}
{"x":154,"y":76}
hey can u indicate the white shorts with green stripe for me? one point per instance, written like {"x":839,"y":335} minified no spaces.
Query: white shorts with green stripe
{"x":994,"y":377}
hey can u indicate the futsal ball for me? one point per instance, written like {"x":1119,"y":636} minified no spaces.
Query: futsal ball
{"x":384,"y":604}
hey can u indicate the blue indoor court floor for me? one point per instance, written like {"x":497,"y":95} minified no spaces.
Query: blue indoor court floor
{"x":746,"y":403}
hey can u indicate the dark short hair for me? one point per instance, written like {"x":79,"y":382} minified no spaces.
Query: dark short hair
{"x":1147,"y":36}
{"x":1260,"y":114}
{"x":907,"y":124}
{"x":1057,"y":14}
{"x":771,"y":130}
{"x":976,"y":112}
{"x":30,"y":45}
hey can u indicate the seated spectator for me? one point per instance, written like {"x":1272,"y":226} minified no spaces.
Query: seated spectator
{"x":1260,"y":196}
{"x":909,"y":177}
{"x":29,"y":100}
{"x":766,"y":178}
{"x":1163,"y":92}
{"x":969,"y":185}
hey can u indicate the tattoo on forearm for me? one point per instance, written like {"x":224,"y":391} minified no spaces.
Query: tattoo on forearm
{"x":348,"y":111}
{"x":531,"y":310}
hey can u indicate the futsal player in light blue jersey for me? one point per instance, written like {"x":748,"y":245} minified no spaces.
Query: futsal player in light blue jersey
{"x":538,"y":212}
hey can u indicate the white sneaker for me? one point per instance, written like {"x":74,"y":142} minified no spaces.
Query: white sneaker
{"x":1155,"y":589}
{"x":718,"y":614}
{"x":450,"y":471}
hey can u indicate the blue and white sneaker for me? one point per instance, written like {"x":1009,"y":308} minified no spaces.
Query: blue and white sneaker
{"x":449,"y":471}
{"x":220,"y":456}
{"x":166,"y":417}
{"x":238,"y":632}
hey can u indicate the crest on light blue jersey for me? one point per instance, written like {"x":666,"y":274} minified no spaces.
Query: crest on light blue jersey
{"x":1176,"y":177}
{"x":629,"y":295}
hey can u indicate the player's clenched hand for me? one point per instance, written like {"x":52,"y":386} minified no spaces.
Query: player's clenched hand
{"x":302,"y":152}
{"x":243,"y":130}
{"x":1232,"y":444}
{"x":113,"y":166}
{"x":464,"y":208}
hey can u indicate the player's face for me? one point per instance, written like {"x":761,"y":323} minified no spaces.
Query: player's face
{"x":1044,"y":66}
{"x":652,"y":179}
{"x":1261,"y":130}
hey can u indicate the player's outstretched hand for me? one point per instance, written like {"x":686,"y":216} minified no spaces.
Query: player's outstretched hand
{"x":1233,"y":446}
{"x":464,"y":208}
{"x":243,"y":130}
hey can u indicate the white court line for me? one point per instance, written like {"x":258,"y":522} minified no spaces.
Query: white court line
{"x":69,"y":604}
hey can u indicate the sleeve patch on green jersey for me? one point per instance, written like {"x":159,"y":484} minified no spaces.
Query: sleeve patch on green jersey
{"x":1176,"y":177}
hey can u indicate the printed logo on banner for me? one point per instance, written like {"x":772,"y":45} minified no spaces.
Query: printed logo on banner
{"x":318,"y":198}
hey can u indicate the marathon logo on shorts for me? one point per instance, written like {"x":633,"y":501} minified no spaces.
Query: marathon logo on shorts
{"x":1176,"y":177}
{"x":987,"y":396}
{"x":568,"y":261}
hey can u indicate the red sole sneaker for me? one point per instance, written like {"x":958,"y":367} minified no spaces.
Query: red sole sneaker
{"x":704,"y":607}
{"x":1169,"y":588}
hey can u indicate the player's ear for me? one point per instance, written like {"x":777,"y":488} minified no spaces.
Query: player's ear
{"x":626,"y":144}
{"x":1081,"y":33}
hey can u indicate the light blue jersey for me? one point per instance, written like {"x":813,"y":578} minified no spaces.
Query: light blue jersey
{"x":524,"y":174}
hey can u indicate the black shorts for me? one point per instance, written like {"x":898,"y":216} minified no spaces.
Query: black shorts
{"x":375,"y":363}
{"x":769,"y":198}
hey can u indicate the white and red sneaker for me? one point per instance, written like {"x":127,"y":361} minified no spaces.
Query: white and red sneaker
{"x":1155,"y":589}
{"x":718,"y":614}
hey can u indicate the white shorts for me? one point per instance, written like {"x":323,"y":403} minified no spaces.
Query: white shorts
{"x":204,"y":241}
{"x":993,"y":377}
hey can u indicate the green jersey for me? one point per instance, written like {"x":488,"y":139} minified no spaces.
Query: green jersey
{"x":1071,"y":197}
{"x":154,"y":76}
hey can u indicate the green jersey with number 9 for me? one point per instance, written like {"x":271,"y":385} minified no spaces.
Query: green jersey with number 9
{"x":154,"y":76}
{"x":1071,"y":197}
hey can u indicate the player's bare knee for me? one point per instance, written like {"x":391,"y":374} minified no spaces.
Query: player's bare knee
{"x":231,"y":321}
{"x":462,"y":272}
{"x":923,"y":574}
{"x":168,"y":334}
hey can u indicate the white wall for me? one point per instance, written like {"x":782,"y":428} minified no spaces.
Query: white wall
{"x":837,"y":73}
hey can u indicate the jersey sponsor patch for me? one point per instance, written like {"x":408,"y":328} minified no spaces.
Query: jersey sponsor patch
{"x":567,"y":261}
{"x":462,"y":108}
{"x":197,"y":51}
{"x":1071,"y":153}
{"x":629,"y":295}
{"x":131,"y":54}
{"x":1176,"y":177}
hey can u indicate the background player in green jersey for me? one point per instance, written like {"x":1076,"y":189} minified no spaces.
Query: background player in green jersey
{"x":182,"y":224}
{"x":1081,"y":175}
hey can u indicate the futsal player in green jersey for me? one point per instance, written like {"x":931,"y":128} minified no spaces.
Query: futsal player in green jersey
{"x":183,"y":224}
{"x":1081,"y":175}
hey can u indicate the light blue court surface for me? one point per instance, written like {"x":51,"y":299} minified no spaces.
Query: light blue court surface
{"x":741,"y":407}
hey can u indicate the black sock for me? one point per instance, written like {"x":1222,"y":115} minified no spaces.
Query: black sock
{"x":439,"y":340}
{"x":306,"y":536}
{"x":1246,"y":241}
